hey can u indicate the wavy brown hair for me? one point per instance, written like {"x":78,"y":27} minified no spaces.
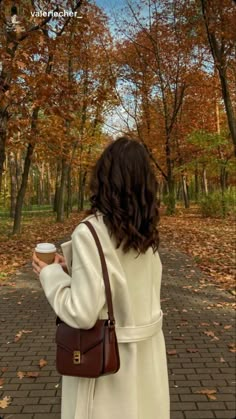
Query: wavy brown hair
{"x":123,"y":187}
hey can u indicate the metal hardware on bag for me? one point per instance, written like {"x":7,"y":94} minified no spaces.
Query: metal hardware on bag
{"x":76,"y":357}
{"x":111,"y":323}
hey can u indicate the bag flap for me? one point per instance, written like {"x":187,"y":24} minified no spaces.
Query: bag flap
{"x":72,"y":339}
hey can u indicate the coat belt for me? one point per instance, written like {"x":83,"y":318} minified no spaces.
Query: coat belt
{"x":138,"y":333}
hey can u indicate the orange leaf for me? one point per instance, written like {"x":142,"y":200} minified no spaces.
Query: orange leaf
{"x":20,"y":374}
{"x":31,"y":374}
{"x":232,"y":347}
{"x":209,"y":333}
{"x":18,"y":336}
{"x":172,"y":352}
{"x":211,"y":397}
{"x":209,"y":393}
{"x":42,"y":363}
{"x":5,"y":402}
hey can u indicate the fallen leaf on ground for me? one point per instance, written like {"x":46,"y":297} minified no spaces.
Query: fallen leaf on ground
{"x":5,"y":402}
{"x":202,"y":239}
{"x":31,"y":374}
{"x":4,"y":369}
{"x":183,"y":323}
{"x":1,"y":381}
{"x":232,"y":347}
{"x":20,"y":374}
{"x":210,"y":333}
{"x":20,"y":333}
{"x":192,"y":350}
{"x":18,"y":336}
{"x":172,"y":352}
{"x":209,"y":393}
{"x":228,"y":326}
{"x":222,"y":359}
{"x":42,"y":363}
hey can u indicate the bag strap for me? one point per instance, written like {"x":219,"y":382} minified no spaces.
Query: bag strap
{"x":104,"y":271}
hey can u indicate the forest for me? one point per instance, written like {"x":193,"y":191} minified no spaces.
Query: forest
{"x":73,"y":78}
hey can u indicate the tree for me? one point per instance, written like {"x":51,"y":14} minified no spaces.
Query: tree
{"x":33,"y":132}
{"x":219,"y":18}
{"x":160,"y":56}
{"x":16,"y":32}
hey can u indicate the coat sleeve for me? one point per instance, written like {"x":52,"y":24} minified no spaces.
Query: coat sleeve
{"x":78,"y":299}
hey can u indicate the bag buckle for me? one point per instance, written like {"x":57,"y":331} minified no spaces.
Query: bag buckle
{"x":76,"y":357}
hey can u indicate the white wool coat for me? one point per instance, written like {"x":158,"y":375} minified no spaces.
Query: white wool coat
{"x":139,"y":390}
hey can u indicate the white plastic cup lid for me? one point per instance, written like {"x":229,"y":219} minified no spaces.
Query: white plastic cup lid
{"x":45,"y":248}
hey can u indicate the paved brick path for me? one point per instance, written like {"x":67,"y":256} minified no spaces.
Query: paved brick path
{"x":191,"y":307}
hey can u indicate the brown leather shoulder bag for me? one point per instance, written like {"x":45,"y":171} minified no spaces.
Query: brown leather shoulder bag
{"x":93,"y":352}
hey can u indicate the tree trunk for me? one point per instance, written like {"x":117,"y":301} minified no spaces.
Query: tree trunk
{"x":69,"y":194}
{"x":223,"y":178}
{"x":13,"y":182}
{"x":48,"y":186}
{"x":204,"y":181}
{"x":196,"y":183}
{"x":18,"y":170}
{"x":5,"y":81}
{"x":21,"y":193}
{"x":57,"y":187}
{"x":80,"y":194}
{"x":229,"y":108}
{"x":41,"y":184}
{"x":61,"y":192}
{"x":223,"y":187}
{"x":220,"y":56}
{"x":3,"y":134}
{"x":185,"y":191}
{"x":25,"y":175}
{"x":170,"y":180}
{"x":179,"y":191}
{"x":82,"y":183}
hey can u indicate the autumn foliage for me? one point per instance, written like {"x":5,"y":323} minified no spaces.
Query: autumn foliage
{"x":160,"y":71}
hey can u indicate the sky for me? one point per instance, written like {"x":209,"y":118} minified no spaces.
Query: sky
{"x":110,"y":5}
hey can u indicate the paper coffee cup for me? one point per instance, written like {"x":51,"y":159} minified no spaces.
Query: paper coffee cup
{"x":46,"y":252}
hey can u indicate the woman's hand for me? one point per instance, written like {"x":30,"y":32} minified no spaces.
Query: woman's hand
{"x":61,"y":260}
{"x":38,"y":265}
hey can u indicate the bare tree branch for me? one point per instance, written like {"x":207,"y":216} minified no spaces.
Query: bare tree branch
{"x":77,"y":6}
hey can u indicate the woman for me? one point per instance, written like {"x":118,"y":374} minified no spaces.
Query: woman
{"x":124,"y":212}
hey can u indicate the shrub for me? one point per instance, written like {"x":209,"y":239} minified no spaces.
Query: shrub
{"x":217,"y":205}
